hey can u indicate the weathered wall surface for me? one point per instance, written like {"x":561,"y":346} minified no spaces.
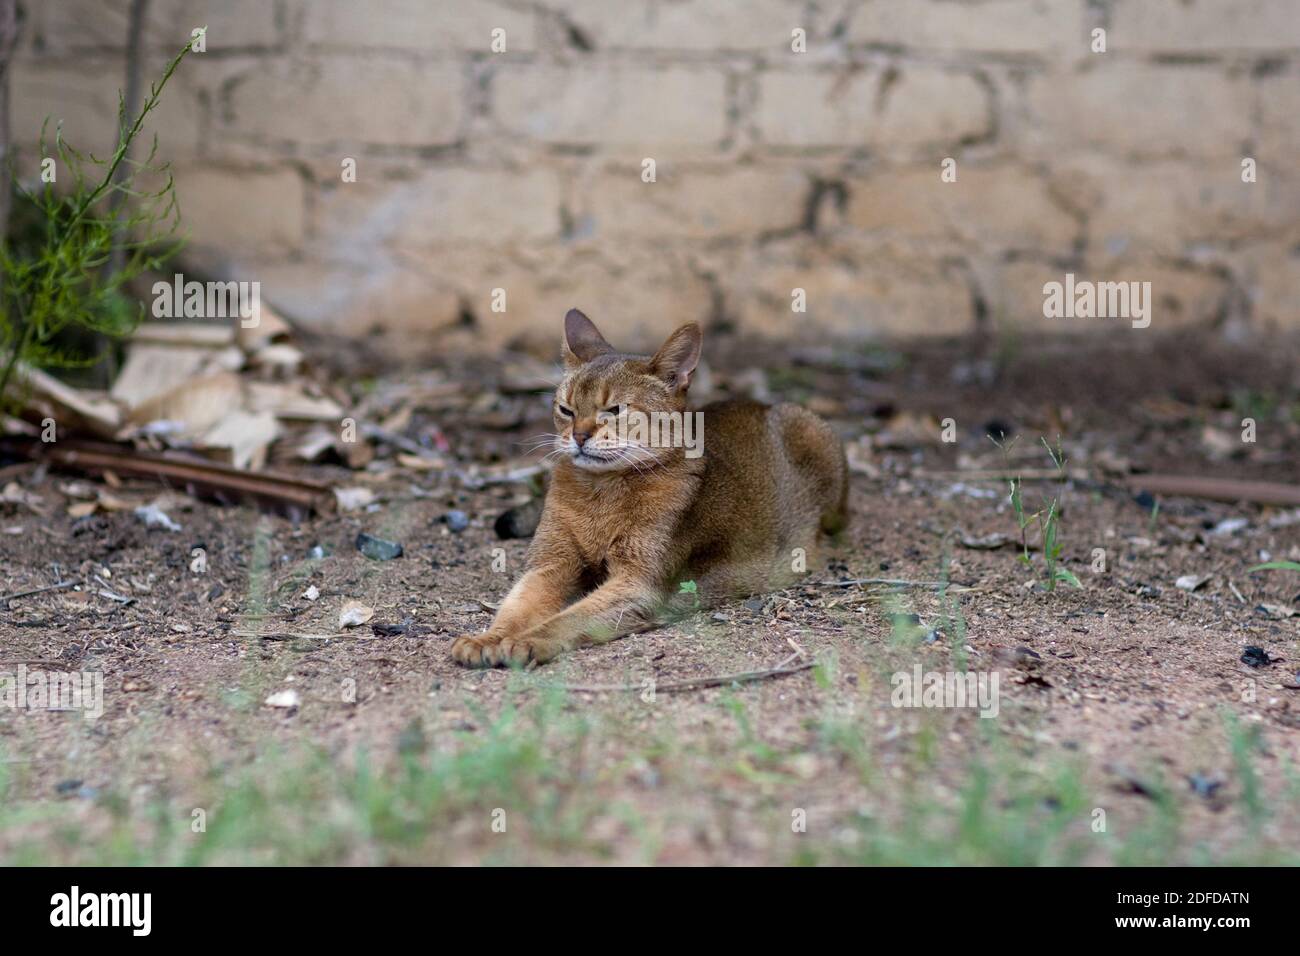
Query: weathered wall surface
{"x":522,"y":170}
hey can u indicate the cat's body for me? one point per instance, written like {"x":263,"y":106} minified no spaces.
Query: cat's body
{"x":625,"y":524}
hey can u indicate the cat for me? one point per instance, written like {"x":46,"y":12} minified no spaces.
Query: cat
{"x":629,"y":517}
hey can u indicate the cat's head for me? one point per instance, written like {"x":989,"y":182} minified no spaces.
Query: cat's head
{"x":612,"y":410}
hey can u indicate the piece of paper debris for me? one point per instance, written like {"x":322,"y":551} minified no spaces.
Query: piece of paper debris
{"x":354,"y":613}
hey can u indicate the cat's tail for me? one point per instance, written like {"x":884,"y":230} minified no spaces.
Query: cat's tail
{"x":817,"y":454}
{"x":836,"y":518}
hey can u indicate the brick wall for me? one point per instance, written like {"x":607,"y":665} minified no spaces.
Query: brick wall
{"x":775,"y":170}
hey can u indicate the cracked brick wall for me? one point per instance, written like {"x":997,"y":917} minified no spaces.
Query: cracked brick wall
{"x":775,"y":170}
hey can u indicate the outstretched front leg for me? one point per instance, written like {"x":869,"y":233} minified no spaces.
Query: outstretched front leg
{"x":624,"y":599}
{"x":535,"y":597}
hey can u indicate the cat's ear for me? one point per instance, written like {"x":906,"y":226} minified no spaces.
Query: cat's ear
{"x":582,"y":340}
{"x":678,"y":356}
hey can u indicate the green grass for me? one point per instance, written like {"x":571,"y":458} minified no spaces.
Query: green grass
{"x":305,"y":806}
{"x":1010,"y":810}
{"x":433,"y":800}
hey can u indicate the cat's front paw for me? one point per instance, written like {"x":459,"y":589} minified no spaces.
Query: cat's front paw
{"x":523,"y":649}
{"x":475,"y":650}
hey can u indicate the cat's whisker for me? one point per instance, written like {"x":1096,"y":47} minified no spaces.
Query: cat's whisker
{"x":622,"y":455}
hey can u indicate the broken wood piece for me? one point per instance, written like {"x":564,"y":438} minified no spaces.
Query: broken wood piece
{"x":290,"y":401}
{"x":152,"y":370}
{"x":195,"y":404}
{"x":71,"y":408}
{"x":269,"y":327}
{"x":1217,"y":489}
{"x":207,"y":335}
{"x":246,"y":436}
{"x":201,"y":478}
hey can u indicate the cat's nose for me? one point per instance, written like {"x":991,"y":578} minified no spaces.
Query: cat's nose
{"x":580,"y":438}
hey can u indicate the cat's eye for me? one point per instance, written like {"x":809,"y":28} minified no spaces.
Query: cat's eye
{"x":566,"y":412}
{"x":614,"y":410}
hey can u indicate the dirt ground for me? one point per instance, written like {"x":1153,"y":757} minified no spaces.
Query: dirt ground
{"x":1129,"y":728}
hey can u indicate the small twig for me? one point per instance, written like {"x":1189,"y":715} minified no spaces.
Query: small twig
{"x":512,"y":477}
{"x":894,"y":582}
{"x":401,"y":441}
{"x":49,"y":587}
{"x":1029,"y":474}
{"x":48,"y":665}
{"x":111,"y":594}
{"x":1239,"y":595}
{"x":293,"y":635}
{"x":695,"y":683}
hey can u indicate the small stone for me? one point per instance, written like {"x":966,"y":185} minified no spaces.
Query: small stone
{"x":317,"y":553}
{"x":377,"y":549}
{"x":997,"y":429}
{"x":75,"y":788}
{"x":519,"y":522}
{"x":457,"y":521}
{"x":1203,"y":786}
{"x":412,"y":739}
{"x":1255,"y":656}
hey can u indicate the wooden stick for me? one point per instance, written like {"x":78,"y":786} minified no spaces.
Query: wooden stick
{"x":49,"y":587}
{"x":1217,"y":489}
{"x":896,"y":582}
{"x":293,"y":635}
{"x":695,"y":683}
{"x":1028,"y":474}
{"x":200,"y":477}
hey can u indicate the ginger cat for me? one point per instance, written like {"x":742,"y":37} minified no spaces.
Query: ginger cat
{"x":629,"y":516}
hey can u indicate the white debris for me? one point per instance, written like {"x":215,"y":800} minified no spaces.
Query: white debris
{"x":285,"y":699}
{"x":353,"y":499}
{"x":312,"y":593}
{"x":355,"y":613}
{"x":155,"y":517}
{"x":1230,"y":526}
